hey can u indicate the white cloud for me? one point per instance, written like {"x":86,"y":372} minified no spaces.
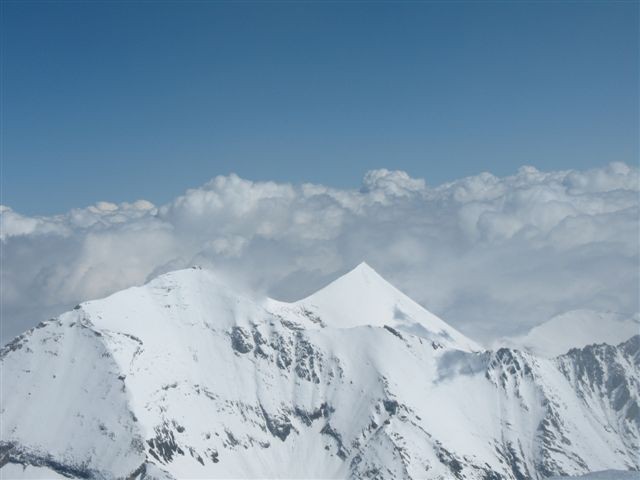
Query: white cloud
{"x":493,"y":256}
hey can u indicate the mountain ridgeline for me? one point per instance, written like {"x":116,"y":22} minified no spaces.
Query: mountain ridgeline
{"x":185,"y":377}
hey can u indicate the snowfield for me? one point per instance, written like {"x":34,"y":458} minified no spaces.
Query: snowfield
{"x":604,"y":475}
{"x":185,"y":377}
{"x":576,"y":328}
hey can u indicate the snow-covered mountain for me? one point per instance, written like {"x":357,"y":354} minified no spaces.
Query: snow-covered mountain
{"x":185,"y":377}
{"x":575,"y":328}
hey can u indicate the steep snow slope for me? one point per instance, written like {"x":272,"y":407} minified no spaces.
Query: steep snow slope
{"x":576,"y":329}
{"x":363,"y":297}
{"x":604,"y":475}
{"x":62,"y":392}
{"x":600,"y":373}
{"x":186,"y":378}
{"x":17,"y":471}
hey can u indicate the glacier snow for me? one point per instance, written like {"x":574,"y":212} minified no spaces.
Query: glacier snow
{"x":187,"y":377}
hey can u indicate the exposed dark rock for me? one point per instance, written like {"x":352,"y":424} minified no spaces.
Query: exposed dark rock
{"x":232,"y":441}
{"x":309,"y":417}
{"x":260,"y":343}
{"x":291,"y":325}
{"x":163,"y":446}
{"x":179,"y":428}
{"x":312,"y":317}
{"x":330,"y":431}
{"x":515,"y":460}
{"x":282,"y":349}
{"x":138,"y":472}
{"x":241,"y":340}
{"x":13,"y":345}
{"x":12,"y":453}
{"x":450,"y":460}
{"x":600,"y":370}
{"x":213,"y":455}
{"x":391,"y":406}
{"x":307,"y":360}
{"x":278,"y":425}
{"x":393,"y":331}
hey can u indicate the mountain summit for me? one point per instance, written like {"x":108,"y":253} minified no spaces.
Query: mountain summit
{"x":362,"y":297}
{"x":186,"y":377}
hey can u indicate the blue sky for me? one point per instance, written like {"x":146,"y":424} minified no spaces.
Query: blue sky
{"x":125,"y":100}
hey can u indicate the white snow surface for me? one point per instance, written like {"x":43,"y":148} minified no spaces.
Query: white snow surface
{"x":185,"y":377}
{"x":363,"y":298}
{"x":576,"y":329}
{"x":604,"y":475}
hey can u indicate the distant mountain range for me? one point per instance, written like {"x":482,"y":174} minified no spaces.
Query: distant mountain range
{"x":187,"y":377}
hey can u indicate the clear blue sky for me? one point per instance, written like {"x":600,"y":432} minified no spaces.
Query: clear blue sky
{"x":125,"y":100}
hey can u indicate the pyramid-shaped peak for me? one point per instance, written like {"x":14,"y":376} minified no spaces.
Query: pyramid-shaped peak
{"x":365,"y":268}
{"x":358,"y":284}
{"x":362,"y":272}
{"x":363,"y":297}
{"x":362,"y":281}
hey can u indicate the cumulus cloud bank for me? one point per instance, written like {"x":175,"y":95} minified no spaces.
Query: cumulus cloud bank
{"x":492,"y":256}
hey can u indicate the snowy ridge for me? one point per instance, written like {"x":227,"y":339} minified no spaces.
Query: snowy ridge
{"x":576,"y":328}
{"x":363,"y":298}
{"x":187,"y":378}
